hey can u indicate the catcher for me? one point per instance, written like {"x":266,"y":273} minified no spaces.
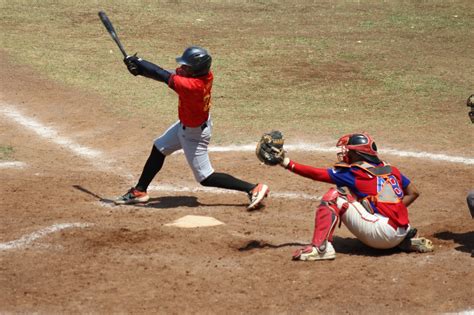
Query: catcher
{"x":192,"y":82}
{"x":371,"y":197}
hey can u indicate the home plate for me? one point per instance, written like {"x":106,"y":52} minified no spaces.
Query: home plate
{"x":192,"y":221}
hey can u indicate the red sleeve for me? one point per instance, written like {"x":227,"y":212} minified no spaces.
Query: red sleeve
{"x":171,"y":81}
{"x":184,"y":85}
{"x":314,"y":173}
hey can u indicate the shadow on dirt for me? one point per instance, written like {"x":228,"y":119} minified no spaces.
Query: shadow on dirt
{"x":166,"y":202}
{"x":352,"y":246}
{"x":172,"y":202}
{"x":349,"y":246}
{"x":254,"y":244}
{"x":465,"y":240}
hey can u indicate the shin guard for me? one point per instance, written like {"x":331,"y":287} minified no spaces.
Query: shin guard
{"x":326,"y":217}
{"x":324,"y":224}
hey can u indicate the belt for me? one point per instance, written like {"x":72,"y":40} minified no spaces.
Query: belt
{"x":203,"y":126}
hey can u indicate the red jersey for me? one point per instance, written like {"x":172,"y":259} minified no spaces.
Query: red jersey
{"x":194,"y":97}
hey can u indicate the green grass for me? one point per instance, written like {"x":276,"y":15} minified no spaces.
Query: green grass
{"x":313,"y":68}
{"x":6,"y":152}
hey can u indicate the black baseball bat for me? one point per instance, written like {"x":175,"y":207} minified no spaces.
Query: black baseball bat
{"x":110,"y":28}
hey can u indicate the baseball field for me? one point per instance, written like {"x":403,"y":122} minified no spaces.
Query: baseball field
{"x":76,"y":128}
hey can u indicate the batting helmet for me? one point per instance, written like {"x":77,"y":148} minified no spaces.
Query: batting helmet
{"x":197,"y":59}
{"x":360,"y":143}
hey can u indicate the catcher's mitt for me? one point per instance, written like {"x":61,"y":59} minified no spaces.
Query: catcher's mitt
{"x":270,"y":148}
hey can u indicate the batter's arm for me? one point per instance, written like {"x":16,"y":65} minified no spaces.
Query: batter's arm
{"x":411,"y":194}
{"x":149,"y":70}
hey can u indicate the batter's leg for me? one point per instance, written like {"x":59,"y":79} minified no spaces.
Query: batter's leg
{"x":255,"y":192}
{"x":226,"y":181}
{"x":152,"y":166}
{"x":166,"y":144}
{"x":195,"y":143}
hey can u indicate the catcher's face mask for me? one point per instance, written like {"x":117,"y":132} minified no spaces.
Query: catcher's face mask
{"x":361,"y":143}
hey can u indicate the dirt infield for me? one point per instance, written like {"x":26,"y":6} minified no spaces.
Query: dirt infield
{"x":99,"y":258}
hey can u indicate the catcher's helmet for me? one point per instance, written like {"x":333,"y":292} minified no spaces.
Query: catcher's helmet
{"x":197,"y":59}
{"x":360,"y":143}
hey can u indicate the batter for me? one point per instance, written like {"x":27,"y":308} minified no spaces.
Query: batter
{"x":192,"y":81}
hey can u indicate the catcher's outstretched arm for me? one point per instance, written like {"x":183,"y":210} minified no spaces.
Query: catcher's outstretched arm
{"x":314,"y":173}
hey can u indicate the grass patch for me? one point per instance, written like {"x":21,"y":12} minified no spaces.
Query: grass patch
{"x":6,"y":152}
{"x":316,"y":69}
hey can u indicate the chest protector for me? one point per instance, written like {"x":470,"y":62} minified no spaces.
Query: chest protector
{"x":388,"y":187}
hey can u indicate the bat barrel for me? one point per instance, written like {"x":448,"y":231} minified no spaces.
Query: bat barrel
{"x":110,"y":28}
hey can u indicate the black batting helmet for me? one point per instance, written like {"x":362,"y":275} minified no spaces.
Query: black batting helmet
{"x":197,"y":59}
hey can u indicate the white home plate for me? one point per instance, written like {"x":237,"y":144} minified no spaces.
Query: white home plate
{"x":192,"y":221}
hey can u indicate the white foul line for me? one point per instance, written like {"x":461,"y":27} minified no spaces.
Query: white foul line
{"x":48,"y":133}
{"x":430,"y":156}
{"x":173,"y":189}
{"x":302,"y":147}
{"x":27,"y":239}
{"x":96,"y":156}
{"x":13,"y":164}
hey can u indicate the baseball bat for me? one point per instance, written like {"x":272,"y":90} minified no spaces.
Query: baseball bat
{"x":110,"y":28}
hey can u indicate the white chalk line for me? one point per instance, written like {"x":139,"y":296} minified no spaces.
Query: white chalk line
{"x":49,"y":133}
{"x":430,"y":156}
{"x":29,"y":238}
{"x":96,"y":155}
{"x":303,"y":147}
{"x":466,"y":312}
{"x":174,"y":189}
{"x":168,"y":188}
{"x":12,"y":164}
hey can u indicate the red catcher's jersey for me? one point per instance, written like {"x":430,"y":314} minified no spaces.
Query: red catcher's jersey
{"x":194,"y":97}
{"x":385,"y":193}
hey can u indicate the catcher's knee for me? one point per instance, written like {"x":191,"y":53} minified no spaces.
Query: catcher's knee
{"x":330,"y":199}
